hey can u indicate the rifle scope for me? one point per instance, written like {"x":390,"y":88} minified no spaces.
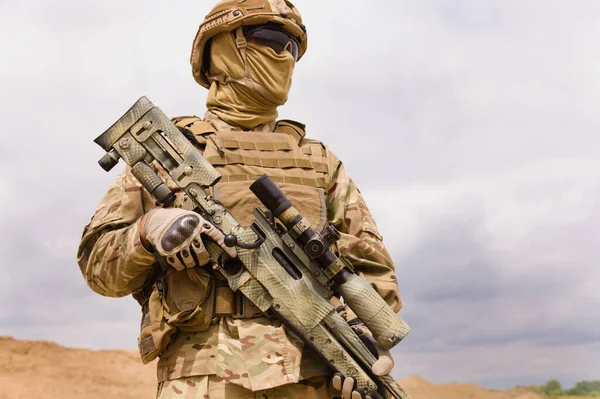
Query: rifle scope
{"x":267,"y":191}
{"x":387,"y":328}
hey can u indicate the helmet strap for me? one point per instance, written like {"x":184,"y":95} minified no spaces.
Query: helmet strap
{"x":242,"y":45}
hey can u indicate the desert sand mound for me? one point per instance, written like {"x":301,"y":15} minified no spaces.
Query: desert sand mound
{"x":419,"y":388}
{"x":44,"y":370}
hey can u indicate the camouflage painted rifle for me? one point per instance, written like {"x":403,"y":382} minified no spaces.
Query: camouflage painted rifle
{"x":289,"y":271}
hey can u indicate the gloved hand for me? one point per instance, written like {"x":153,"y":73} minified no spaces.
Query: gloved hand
{"x":383,"y":365}
{"x":177,"y":236}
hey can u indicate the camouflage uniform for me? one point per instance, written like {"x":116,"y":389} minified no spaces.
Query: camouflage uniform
{"x":205,"y":386}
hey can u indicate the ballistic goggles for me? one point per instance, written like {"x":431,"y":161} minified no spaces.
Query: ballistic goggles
{"x":273,"y":37}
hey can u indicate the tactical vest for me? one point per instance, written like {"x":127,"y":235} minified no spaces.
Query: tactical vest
{"x":299,"y":165}
{"x":193,"y":299}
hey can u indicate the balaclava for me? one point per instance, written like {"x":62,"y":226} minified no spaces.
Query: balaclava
{"x":247,"y":101}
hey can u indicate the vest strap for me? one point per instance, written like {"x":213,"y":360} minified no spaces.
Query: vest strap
{"x":295,"y":129}
{"x":281,"y":163}
{"x":249,"y":145}
{"x":303,"y":181}
{"x":194,"y":124}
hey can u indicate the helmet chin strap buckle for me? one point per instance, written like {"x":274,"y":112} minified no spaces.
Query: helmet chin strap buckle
{"x":241,"y":42}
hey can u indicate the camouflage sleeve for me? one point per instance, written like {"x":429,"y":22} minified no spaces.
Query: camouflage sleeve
{"x":361,"y":242}
{"x":111,"y":257}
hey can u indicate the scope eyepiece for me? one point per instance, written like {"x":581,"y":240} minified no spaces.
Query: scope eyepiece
{"x":269,"y":193}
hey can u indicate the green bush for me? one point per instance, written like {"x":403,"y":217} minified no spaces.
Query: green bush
{"x":582,"y":388}
{"x":553,"y":388}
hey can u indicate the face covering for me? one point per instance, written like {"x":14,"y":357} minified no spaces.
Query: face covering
{"x":247,"y":94}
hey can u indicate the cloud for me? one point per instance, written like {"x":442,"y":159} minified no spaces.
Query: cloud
{"x":500,"y":366}
{"x":503,"y":261}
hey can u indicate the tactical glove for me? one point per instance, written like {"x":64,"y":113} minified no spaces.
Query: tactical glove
{"x":176,"y":234}
{"x":383,"y":366}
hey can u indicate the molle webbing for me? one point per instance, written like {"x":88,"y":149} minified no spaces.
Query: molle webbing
{"x":317,"y":153}
{"x":281,"y":163}
{"x":285,"y":154}
{"x":245,"y":156}
{"x":304,"y":181}
{"x":268,"y":150}
{"x":249,"y":145}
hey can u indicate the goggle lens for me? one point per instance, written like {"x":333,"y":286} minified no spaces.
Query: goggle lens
{"x":278,"y":40}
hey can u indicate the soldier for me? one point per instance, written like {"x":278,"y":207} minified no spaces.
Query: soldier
{"x":212,"y":342}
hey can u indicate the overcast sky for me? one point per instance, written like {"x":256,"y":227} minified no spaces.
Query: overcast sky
{"x":472,"y":128}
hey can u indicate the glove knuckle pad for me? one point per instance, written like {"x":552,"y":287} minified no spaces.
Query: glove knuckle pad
{"x":180,"y":231}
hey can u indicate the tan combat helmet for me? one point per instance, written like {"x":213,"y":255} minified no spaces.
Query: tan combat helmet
{"x":229,"y":15}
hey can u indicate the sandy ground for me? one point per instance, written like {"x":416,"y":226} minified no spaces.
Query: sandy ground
{"x":41,"y":370}
{"x":46,"y":370}
{"x":419,"y":388}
